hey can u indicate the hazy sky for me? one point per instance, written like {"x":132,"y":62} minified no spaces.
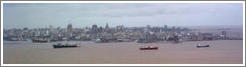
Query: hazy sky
{"x":82,"y":15}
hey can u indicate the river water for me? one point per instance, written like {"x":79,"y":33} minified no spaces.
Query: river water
{"x":219,"y":52}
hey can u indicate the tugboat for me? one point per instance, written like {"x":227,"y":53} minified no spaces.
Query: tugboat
{"x":60,"y":45}
{"x":149,"y":48}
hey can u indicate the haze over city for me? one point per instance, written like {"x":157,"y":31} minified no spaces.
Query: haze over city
{"x":123,"y":33}
{"x":130,"y":15}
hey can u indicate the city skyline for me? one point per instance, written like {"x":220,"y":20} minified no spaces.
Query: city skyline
{"x":129,"y":15}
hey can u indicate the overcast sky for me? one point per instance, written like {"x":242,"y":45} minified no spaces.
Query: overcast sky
{"x":82,"y":15}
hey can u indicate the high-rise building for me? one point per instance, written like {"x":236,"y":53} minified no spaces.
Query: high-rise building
{"x":100,"y":29}
{"x":173,"y":28}
{"x":94,"y":29}
{"x":224,"y":34}
{"x":165,"y":28}
{"x":69,"y":31}
{"x":107,"y":26}
{"x":148,"y":28}
{"x":119,"y":28}
{"x":51,"y":28}
{"x":69,"y":27}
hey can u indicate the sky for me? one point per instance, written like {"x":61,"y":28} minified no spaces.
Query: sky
{"x":41,"y":15}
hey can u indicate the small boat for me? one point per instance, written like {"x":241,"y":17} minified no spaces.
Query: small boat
{"x":59,"y":45}
{"x":149,"y":48}
{"x":200,"y":46}
{"x":40,"y":41}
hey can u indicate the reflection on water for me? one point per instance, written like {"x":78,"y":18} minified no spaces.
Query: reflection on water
{"x":221,"y":51}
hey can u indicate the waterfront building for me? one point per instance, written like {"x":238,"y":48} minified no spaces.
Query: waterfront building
{"x":207,"y":36}
{"x":223,"y":33}
{"x":120,"y":28}
{"x":118,"y":33}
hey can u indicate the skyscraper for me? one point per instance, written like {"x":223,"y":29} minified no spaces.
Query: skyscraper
{"x":107,"y":26}
{"x":69,"y":31}
{"x":94,"y":29}
{"x":165,"y":28}
{"x":69,"y":27}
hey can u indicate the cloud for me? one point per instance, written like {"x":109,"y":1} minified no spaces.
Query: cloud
{"x":81,"y":15}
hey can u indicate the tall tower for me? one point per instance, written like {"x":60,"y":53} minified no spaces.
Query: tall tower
{"x":148,"y":28}
{"x":69,"y":30}
{"x":165,"y":28}
{"x":69,"y":27}
{"x":107,"y":26}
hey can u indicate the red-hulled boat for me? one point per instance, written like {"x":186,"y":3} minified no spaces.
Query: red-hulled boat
{"x":149,"y":48}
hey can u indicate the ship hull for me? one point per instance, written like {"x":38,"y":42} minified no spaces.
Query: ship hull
{"x":154,"y":48}
{"x":64,"y":46}
{"x":40,"y":41}
{"x":202,"y":46}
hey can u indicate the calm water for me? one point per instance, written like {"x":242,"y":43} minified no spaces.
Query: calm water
{"x":221,"y":51}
